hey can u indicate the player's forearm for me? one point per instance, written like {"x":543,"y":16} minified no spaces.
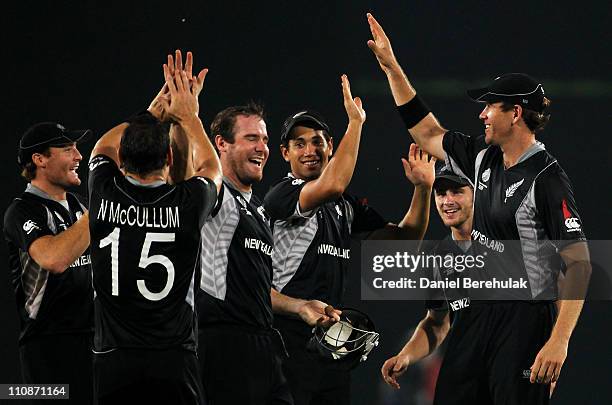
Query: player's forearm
{"x":416,"y":220}
{"x":205,"y":160}
{"x":338,"y":173}
{"x":56,"y":253}
{"x":182,"y":156}
{"x":428,"y":335}
{"x":569,"y":312}
{"x":109,"y":143}
{"x":400,"y":86}
{"x":283,"y":304}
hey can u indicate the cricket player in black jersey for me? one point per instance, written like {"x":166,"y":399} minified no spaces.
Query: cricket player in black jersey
{"x":454,"y":198}
{"x":240,"y":352}
{"x":313,"y":220}
{"x":521,"y":194}
{"x":145,"y":250}
{"x":47,"y":236}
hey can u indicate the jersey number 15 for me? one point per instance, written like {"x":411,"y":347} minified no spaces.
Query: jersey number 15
{"x":145,"y":260}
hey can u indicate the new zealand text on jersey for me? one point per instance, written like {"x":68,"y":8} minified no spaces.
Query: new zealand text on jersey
{"x":332,"y":250}
{"x":134,"y":215}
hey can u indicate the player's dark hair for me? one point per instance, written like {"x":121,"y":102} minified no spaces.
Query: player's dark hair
{"x":225,"y":120}
{"x":311,"y":125}
{"x":28,"y":171}
{"x":144,"y":145}
{"x":534,"y":120}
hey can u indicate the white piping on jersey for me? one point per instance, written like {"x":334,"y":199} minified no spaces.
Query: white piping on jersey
{"x":477,"y":164}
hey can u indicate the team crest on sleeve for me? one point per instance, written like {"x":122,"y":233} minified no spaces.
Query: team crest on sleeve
{"x":571,"y":223}
{"x":486,"y":175}
{"x":29,"y":226}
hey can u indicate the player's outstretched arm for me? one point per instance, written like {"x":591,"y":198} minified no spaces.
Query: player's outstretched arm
{"x":336,"y":177}
{"x":313,"y":312}
{"x":55,"y":253}
{"x":549,"y":361}
{"x":428,"y":335}
{"x":427,"y":132}
{"x":183,"y":108}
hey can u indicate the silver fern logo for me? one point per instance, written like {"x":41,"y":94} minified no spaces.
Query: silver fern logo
{"x":512,"y":189}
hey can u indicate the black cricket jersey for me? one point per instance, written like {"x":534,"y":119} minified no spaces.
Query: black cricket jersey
{"x":312,"y":249}
{"x":145,"y":247}
{"x":532,"y":203}
{"x":448,"y":298}
{"x":47,"y":303}
{"x":236,"y":263}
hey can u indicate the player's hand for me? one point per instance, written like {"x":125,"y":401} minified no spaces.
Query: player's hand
{"x":318,"y":313}
{"x":353,"y":106}
{"x":547,"y":365}
{"x":393,"y":368}
{"x":196,"y":83}
{"x":183,"y":104}
{"x":420,"y":167}
{"x":381,"y":46}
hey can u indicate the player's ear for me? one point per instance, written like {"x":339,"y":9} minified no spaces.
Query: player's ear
{"x":330,"y":142}
{"x":284,"y":150}
{"x":220,"y":143}
{"x":39,"y":160}
{"x":517,"y":114}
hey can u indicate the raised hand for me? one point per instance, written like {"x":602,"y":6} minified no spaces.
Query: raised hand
{"x":381,"y":46}
{"x":183,"y":104}
{"x":353,"y":106}
{"x":420,"y":167}
{"x":156,"y":108}
{"x":393,"y":368}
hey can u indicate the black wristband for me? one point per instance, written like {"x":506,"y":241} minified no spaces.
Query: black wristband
{"x":413,"y":111}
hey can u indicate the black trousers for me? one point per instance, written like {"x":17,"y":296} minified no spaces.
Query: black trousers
{"x":311,"y":381}
{"x":241,"y":365}
{"x":136,"y":376}
{"x":490,"y":349}
{"x":59,"y":359}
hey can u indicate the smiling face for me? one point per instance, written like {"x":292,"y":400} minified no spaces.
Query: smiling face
{"x":308,"y":152}
{"x":498,"y":123}
{"x":455,"y":205}
{"x":59,"y":169}
{"x":243,"y":160}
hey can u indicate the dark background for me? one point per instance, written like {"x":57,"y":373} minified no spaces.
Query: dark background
{"x":88,"y":66}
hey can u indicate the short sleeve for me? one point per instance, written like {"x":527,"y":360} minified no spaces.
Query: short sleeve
{"x":461,"y":151}
{"x":557,"y":207}
{"x":24,"y":222}
{"x":282,"y":201}
{"x":202,"y":194}
{"x":101,"y":167}
{"x":364,"y":217}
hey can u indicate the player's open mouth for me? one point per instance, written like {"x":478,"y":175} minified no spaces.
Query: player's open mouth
{"x":74,"y":169}
{"x":311,"y":163}
{"x":487,"y":126}
{"x":451,"y":212}
{"x":256,"y":161}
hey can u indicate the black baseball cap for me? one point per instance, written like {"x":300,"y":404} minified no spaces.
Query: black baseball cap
{"x":445,"y":179}
{"x":43,"y":135}
{"x":308,"y":118}
{"x":516,"y":88}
